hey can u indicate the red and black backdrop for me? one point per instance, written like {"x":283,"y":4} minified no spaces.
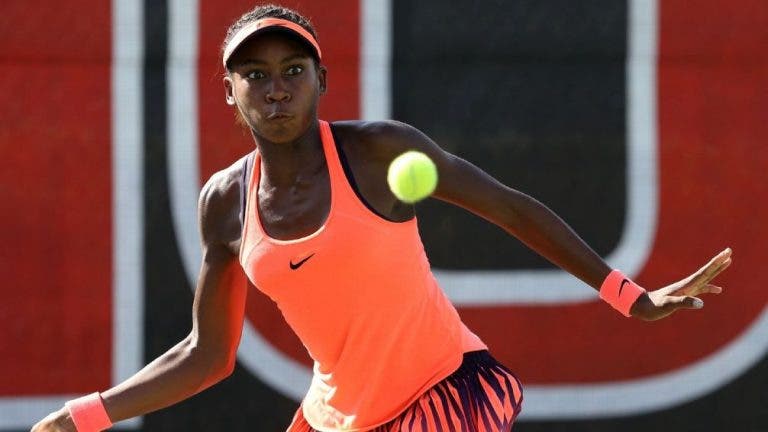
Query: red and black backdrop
{"x":642,"y":123}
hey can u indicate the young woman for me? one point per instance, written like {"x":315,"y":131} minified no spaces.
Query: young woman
{"x":310,"y":220}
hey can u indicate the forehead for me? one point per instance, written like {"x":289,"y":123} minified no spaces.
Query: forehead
{"x":272,"y":45}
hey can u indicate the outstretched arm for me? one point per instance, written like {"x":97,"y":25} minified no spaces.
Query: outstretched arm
{"x":208,"y":353}
{"x":206,"y":356}
{"x":538,"y":227}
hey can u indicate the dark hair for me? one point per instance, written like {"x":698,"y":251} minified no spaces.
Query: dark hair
{"x":268,"y":11}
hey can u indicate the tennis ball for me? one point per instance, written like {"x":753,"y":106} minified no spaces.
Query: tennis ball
{"x":412,"y":176}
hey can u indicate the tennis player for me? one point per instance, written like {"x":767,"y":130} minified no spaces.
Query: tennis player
{"x":308,"y":217}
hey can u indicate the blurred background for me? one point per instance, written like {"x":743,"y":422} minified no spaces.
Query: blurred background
{"x":641,"y":122}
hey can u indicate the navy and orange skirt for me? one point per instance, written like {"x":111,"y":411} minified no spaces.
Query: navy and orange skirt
{"x":480,"y":396}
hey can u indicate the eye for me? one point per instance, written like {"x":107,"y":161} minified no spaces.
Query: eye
{"x":254,"y":75}
{"x":294,"y":70}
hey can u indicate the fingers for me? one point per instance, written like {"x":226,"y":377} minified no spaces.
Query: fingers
{"x":711,"y":289}
{"x":714,"y":267}
{"x":683,"y":302}
{"x":701,"y":289}
{"x":692,"y":303}
{"x":719,"y":269}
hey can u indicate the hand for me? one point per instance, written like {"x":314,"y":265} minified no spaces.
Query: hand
{"x":683,"y":294}
{"x":58,"y":421}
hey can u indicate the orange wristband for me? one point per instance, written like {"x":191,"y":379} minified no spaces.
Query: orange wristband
{"x":620,"y":292}
{"x":88,"y":413}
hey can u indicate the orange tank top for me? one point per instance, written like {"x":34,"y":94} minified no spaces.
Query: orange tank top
{"x":360,"y":295}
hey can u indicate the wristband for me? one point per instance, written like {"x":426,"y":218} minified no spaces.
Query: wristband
{"x":88,"y":413}
{"x":620,"y":292}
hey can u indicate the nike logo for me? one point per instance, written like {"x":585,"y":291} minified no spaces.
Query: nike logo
{"x":298,"y":264}
{"x":623,"y":282}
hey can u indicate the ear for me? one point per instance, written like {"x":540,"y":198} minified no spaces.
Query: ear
{"x":229,"y":90}
{"x":322,"y":76}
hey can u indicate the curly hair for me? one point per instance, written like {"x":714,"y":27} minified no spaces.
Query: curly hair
{"x":268,"y":11}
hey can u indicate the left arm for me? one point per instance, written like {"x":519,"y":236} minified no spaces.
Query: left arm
{"x":539,"y":228}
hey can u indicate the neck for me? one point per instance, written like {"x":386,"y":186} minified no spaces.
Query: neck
{"x":287,"y":163}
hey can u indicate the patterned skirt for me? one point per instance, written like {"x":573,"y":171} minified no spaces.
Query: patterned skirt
{"x":480,"y":396}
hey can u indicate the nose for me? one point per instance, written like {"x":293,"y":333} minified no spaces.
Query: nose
{"x":277,"y":92}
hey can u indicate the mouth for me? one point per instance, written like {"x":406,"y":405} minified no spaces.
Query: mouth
{"x":279,"y":115}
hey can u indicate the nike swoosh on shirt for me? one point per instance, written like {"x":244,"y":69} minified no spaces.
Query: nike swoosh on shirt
{"x":298,"y":264}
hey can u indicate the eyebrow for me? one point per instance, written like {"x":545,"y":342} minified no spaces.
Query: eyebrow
{"x":258,"y":62}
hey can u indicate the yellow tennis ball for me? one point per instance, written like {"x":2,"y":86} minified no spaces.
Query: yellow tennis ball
{"x":412,"y":176}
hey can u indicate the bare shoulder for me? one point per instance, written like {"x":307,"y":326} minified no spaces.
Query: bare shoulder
{"x":383,"y":139}
{"x":369,"y":148}
{"x":461,"y":182}
{"x":219,"y":205}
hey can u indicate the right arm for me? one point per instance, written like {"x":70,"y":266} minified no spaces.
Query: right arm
{"x":207,"y":355}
